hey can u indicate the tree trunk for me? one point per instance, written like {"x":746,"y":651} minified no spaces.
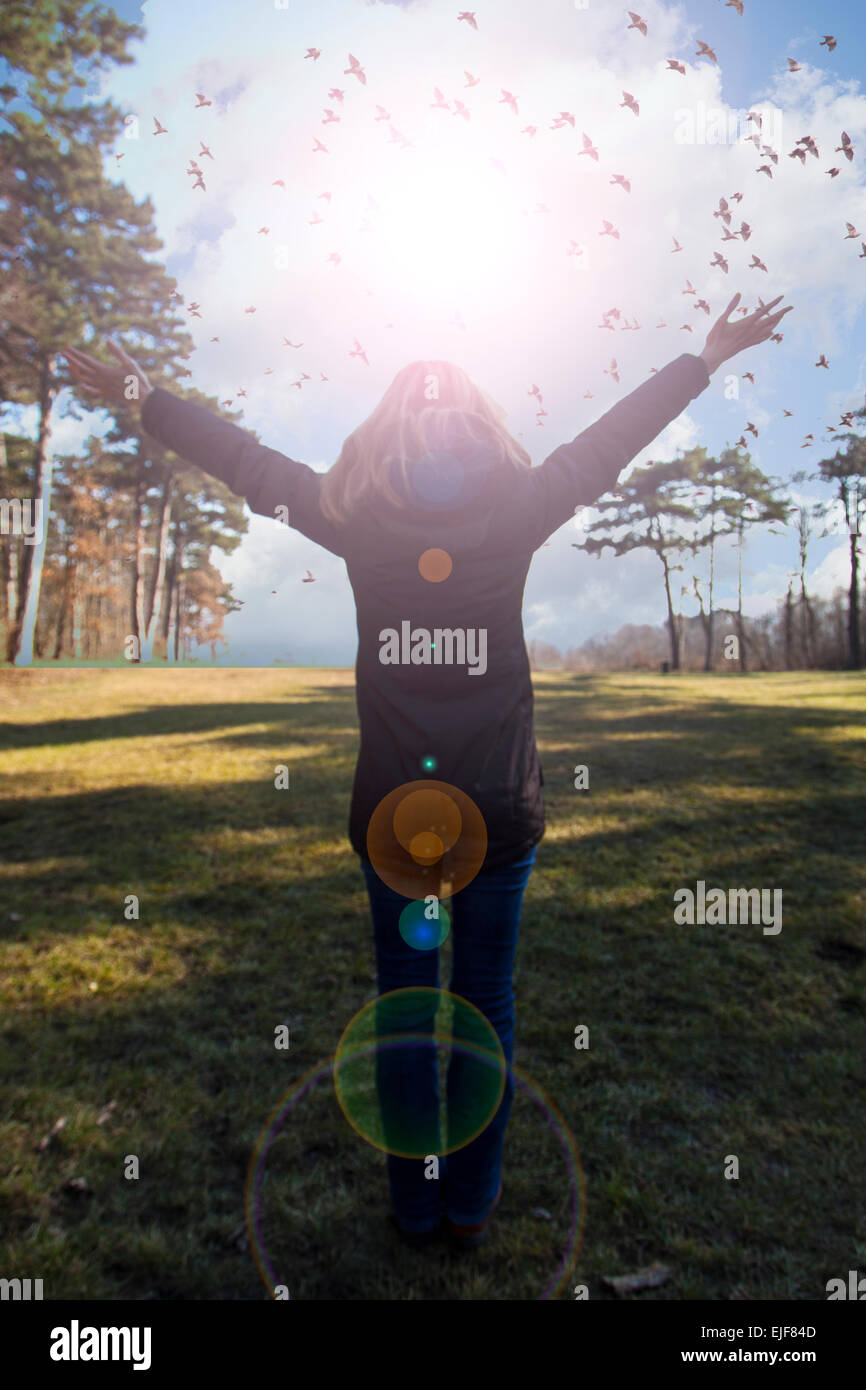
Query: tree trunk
{"x":178,"y":618}
{"x":10,"y":546}
{"x":157,"y":596}
{"x":854,"y":607}
{"x":672,"y":622}
{"x":63,"y":609}
{"x":741,"y":627}
{"x":708,"y":655}
{"x":789,"y":630}
{"x":19,"y":649}
{"x":136,"y":586}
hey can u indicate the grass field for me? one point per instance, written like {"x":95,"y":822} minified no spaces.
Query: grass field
{"x":155,"y":1037}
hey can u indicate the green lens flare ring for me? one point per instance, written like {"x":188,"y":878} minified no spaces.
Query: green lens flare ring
{"x":317,"y":1073}
{"x":366,"y":1081}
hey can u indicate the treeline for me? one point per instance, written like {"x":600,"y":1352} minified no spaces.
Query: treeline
{"x":106,"y":554}
{"x":682,"y":510}
{"x":795,"y":637}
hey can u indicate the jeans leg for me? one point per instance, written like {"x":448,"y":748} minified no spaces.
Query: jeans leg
{"x":485,"y":922}
{"x":407,"y":1078}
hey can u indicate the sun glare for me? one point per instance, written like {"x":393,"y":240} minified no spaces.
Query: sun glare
{"x":449,"y":230}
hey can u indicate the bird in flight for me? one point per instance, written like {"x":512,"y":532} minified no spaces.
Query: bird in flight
{"x":828,"y":42}
{"x":159,"y":129}
{"x":287,"y":343}
{"x":201,"y":100}
{"x":852,"y":232}
{"x":508,"y":99}
{"x":469,"y":17}
{"x":622,"y":181}
{"x":335,"y":94}
{"x":751,"y":429}
{"x":355,"y":70}
{"x":846,"y":147}
{"x":561,"y":120}
{"x":330,"y":117}
{"x":199,"y":183}
{"x":383,"y":114}
{"x":318,"y":147}
{"x":792,"y":66}
{"x":313,"y":53}
{"x":588,"y":148}
{"x":612,"y":370}
{"x":310,"y":579}
{"x":636,"y":22}
{"x":250,"y":310}
{"x":702,"y":304}
{"x":677,"y":246}
{"x":674,"y":66}
{"x":470,"y":80}
{"x":756,"y":264}
{"x":822,"y":362}
{"x":630,"y":102}
{"x":461,"y":110}
{"x":204,"y":150}
{"x":764,"y":169}
{"x":358,"y":351}
{"x":718,"y":259}
{"x":335,"y":257}
{"x":704,"y":51}
{"x":398,"y":137}
{"x":609,"y":229}
{"x":749,"y":376}
{"x":530,"y":130}
{"x":440,"y":99}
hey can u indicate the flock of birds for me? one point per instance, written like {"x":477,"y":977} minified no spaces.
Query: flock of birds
{"x":613,"y":319}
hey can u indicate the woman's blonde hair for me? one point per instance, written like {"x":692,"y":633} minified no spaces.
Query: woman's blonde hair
{"x":421,"y":409}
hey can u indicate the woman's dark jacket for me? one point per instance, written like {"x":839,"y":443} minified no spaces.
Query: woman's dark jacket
{"x":477,"y":727}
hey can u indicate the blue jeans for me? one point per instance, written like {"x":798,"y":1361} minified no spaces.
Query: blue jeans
{"x":484,"y":922}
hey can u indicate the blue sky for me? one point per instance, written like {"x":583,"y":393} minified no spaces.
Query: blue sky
{"x":438,"y":232}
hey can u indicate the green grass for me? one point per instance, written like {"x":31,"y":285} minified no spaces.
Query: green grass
{"x":705,"y":1041}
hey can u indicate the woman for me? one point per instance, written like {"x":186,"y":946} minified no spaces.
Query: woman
{"x":437,"y":512}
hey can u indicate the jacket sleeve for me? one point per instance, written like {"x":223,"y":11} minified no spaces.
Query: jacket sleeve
{"x":266,"y":479}
{"x":577,"y":474}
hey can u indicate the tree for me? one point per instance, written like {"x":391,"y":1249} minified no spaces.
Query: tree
{"x":653,"y":510}
{"x":847,"y":469}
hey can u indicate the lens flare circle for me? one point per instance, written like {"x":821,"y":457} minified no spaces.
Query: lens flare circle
{"x":420,"y":931}
{"x":379,"y":1101}
{"x":317,"y":1073}
{"x":412,"y":866}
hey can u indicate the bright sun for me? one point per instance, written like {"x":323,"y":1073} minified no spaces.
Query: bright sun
{"x":450,"y":230}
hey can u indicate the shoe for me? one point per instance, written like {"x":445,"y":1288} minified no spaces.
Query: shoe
{"x":470,"y":1237}
{"x":416,"y":1239}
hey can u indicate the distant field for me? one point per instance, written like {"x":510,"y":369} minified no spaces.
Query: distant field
{"x":155,"y":1037}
